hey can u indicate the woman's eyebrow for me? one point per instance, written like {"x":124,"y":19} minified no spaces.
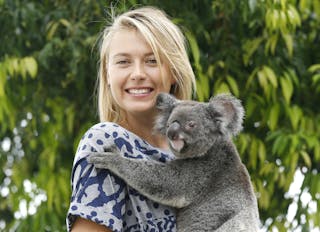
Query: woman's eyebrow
{"x":121,"y":54}
{"x":149,"y":54}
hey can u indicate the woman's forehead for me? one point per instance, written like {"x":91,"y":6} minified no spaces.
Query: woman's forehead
{"x":128,"y":41}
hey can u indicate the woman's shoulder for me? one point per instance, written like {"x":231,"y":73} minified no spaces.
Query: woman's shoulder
{"x":106,"y":134}
{"x":106,"y":126}
{"x":105,"y":131}
{"x":113,"y":131}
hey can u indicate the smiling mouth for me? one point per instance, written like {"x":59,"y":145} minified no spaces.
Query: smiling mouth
{"x":139,"y":91}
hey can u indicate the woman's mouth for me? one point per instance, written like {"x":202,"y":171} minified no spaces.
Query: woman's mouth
{"x":139,"y":91}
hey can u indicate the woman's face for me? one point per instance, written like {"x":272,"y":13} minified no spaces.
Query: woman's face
{"x":134,"y":75}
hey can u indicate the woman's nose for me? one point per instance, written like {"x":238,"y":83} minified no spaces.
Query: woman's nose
{"x":138,"y":71}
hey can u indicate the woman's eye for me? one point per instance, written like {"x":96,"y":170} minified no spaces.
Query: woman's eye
{"x":122,"y":62}
{"x":151,"y":61}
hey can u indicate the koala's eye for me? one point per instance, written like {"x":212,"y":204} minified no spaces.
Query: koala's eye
{"x":190,"y":125}
{"x":217,"y":120}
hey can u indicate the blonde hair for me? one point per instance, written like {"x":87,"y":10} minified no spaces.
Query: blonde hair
{"x":166,"y":41}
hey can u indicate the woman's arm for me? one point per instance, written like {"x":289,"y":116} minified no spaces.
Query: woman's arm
{"x":83,"y":225}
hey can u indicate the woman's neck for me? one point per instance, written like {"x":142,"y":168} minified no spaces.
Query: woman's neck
{"x":143,"y":127}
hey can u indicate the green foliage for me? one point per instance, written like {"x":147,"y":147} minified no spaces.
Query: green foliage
{"x":264,"y":52}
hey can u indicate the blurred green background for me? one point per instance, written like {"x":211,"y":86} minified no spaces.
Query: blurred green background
{"x":267,"y":53}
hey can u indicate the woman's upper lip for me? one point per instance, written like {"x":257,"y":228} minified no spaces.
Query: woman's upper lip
{"x":139,"y":87}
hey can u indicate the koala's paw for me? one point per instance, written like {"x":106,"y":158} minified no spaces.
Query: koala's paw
{"x":100,"y":160}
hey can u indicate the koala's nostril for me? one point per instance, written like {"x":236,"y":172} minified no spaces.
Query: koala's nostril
{"x":173,"y":135}
{"x":173,"y":131}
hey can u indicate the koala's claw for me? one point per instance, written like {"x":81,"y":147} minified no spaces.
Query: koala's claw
{"x":111,"y":148}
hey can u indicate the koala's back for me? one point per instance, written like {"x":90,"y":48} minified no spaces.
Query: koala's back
{"x":228,"y":202}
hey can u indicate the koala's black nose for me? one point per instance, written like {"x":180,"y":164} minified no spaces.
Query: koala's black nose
{"x":173,"y":131}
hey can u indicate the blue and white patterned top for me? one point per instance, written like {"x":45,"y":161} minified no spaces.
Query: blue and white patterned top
{"x":100,"y":196}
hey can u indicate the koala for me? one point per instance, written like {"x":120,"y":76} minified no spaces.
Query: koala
{"x":206,"y":182}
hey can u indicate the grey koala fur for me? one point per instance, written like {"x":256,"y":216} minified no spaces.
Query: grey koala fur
{"x":207,"y":182}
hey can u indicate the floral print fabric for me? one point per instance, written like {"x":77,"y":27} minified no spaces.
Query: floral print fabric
{"x":100,"y":196}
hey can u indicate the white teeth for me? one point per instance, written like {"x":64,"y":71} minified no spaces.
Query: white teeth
{"x":138,"y":91}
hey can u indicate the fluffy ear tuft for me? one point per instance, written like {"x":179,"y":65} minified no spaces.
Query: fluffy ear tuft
{"x":230,"y":111}
{"x":164,"y":103}
{"x":165,"y":100}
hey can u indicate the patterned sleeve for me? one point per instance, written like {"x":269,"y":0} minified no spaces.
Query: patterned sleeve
{"x":96,"y":195}
{"x":99,"y":196}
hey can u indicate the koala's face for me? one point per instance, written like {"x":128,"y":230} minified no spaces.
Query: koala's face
{"x":194,"y":127}
{"x":188,"y":130}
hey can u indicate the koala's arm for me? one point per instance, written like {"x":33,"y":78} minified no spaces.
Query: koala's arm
{"x":167,"y":183}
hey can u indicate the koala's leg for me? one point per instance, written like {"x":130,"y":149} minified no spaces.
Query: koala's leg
{"x":158,"y":181}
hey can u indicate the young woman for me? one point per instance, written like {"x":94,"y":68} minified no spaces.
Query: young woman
{"x":142,"y":54}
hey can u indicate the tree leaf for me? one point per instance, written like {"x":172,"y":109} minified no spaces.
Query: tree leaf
{"x":233,"y":85}
{"x":293,"y":16}
{"x":273,"y":117}
{"x":254,"y":147}
{"x":289,"y":43}
{"x":262,"y":152}
{"x":194,"y":49}
{"x":269,"y":73}
{"x":287,"y":88}
{"x":31,"y":66}
{"x":306,"y":158}
{"x":52,"y":28}
{"x":250,"y":46}
{"x":316,"y":152}
{"x":294,"y":114}
{"x":2,"y":80}
{"x":271,"y":43}
{"x":222,"y":88}
{"x":65,"y":22}
{"x":315,"y":79}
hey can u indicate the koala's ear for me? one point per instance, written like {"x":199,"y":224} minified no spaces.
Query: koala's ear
{"x":229,"y":111}
{"x":164,"y":103}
